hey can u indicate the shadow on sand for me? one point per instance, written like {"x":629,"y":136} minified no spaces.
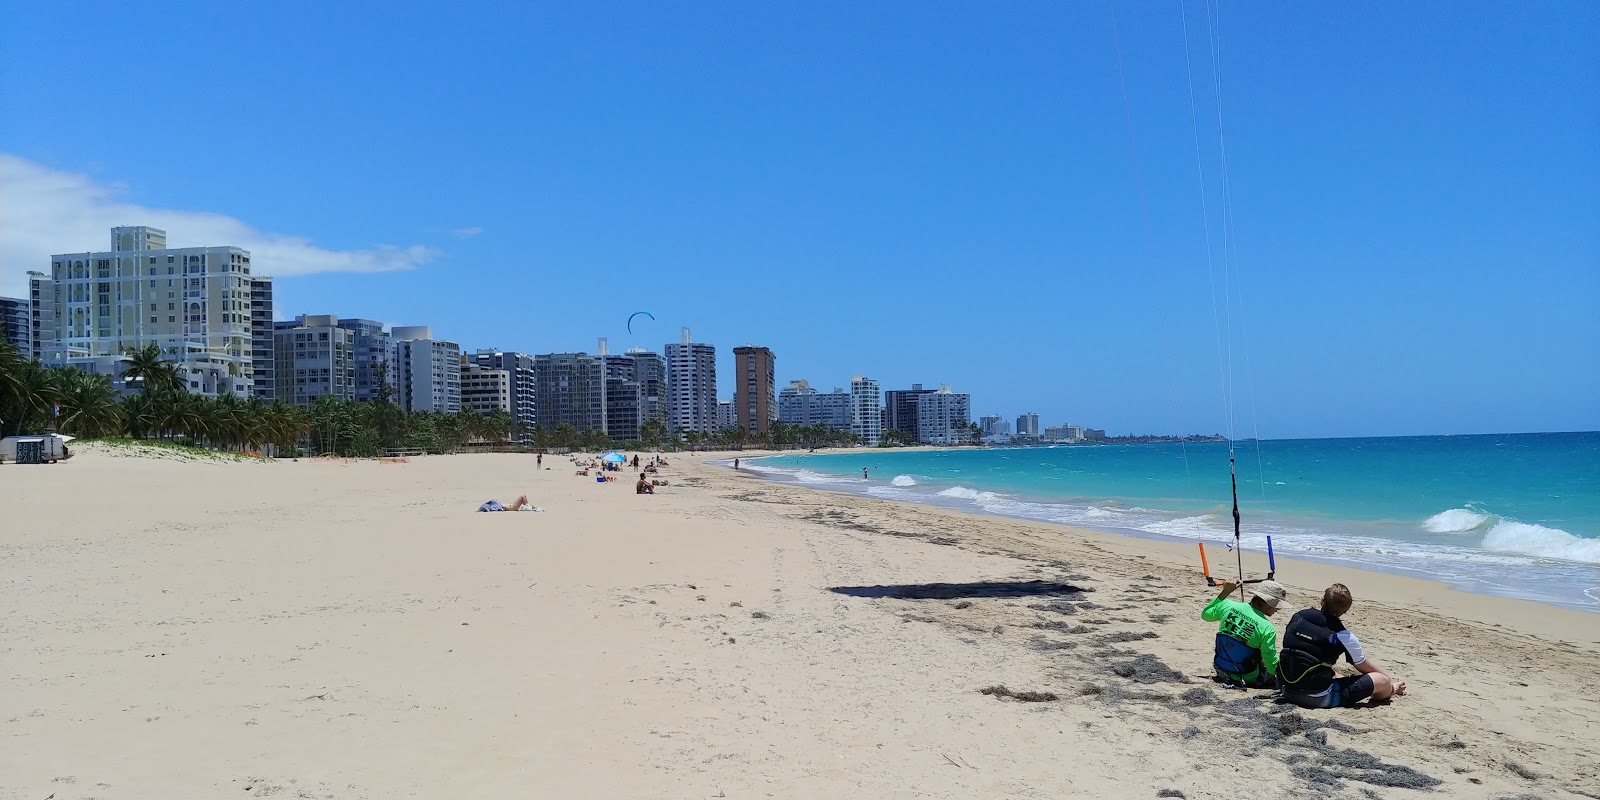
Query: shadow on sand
{"x":952,"y":591}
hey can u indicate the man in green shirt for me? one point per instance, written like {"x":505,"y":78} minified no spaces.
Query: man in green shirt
{"x":1247,"y":644}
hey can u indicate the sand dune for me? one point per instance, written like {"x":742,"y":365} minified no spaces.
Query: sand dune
{"x":353,"y":630}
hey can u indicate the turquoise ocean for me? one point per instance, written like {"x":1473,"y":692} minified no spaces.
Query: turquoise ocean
{"x":1514,"y":515}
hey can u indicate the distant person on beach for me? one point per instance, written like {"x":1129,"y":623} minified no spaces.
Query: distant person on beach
{"x":538,"y":461}
{"x":1247,"y":644}
{"x":635,"y":460}
{"x":1313,"y":642}
{"x":643,"y":486}
{"x":863,"y":473}
{"x":736,"y":464}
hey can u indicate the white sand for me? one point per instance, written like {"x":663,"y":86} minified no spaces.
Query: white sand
{"x":354,"y":630}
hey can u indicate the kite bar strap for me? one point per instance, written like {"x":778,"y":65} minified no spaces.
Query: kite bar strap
{"x":1204,"y":567}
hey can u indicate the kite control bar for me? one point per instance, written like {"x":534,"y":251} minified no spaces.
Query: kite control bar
{"x":1272,"y":566}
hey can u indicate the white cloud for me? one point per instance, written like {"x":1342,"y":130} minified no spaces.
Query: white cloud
{"x":45,"y":211}
{"x":466,"y":233}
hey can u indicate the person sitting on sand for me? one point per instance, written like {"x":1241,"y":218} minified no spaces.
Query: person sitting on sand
{"x":643,"y":486}
{"x":1247,"y":645}
{"x":496,"y":505}
{"x":1312,"y":644}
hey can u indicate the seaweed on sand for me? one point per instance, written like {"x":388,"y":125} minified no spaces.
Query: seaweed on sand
{"x":1001,"y":692}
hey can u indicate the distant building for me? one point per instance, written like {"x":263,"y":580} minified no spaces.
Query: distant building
{"x":1075,"y":433}
{"x":16,"y":324}
{"x":992,"y":425}
{"x":944,"y":417}
{"x":263,"y":345}
{"x":1094,"y":435}
{"x":192,"y":302}
{"x":1055,"y":433}
{"x":519,"y":374}
{"x":650,"y":369}
{"x":571,"y":391}
{"x":691,"y":386}
{"x":900,"y":409}
{"x":484,"y":389}
{"x":377,"y":362}
{"x":866,"y":410}
{"x":727,"y":415}
{"x":799,"y":404}
{"x":624,"y":407}
{"x":755,"y":398}
{"x":313,"y":356}
{"x":427,"y":371}
{"x":1028,"y":425}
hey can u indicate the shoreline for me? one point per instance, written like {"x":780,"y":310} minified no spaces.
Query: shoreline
{"x":1587,"y":600}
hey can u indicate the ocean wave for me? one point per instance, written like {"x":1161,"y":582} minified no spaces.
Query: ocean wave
{"x":963,"y":493}
{"x":903,"y":480}
{"x":1540,"y":542}
{"x":1456,"y":520}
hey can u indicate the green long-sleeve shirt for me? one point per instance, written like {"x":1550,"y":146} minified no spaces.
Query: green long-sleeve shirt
{"x":1246,"y":624}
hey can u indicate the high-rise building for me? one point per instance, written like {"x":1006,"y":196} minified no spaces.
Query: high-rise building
{"x":313,"y":356}
{"x":41,"y":287}
{"x":16,"y":324}
{"x":1028,"y":425}
{"x":727,"y":415}
{"x":193,"y":303}
{"x":799,"y":404}
{"x":1075,"y":433}
{"x":944,"y":417}
{"x":484,"y":389}
{"x":755,"y":399}
{"x":691,"y":386}
{"x":519,"y":372}
{"x":571,"y":391}
{"x":262,"y":340}
{"x":650,"y":369}
{"x":427,"y":370}
{"x":624,"y":395}
{"x":866,"y":410}
{"x":993,"y":425}
{"x":900,"y":407}
{"x":375,"y":360}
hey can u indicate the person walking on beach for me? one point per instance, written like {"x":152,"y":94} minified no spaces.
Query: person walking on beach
{"x":1313,"y":642}
{"x":1247,"y":644}
{"x":736,"y":464}
{"x":538,"y":461}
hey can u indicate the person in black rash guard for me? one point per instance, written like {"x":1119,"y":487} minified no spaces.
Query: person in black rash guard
{"x":1312,"y":643}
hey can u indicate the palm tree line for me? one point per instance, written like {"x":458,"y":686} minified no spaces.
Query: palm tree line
{"x":34,"y":397}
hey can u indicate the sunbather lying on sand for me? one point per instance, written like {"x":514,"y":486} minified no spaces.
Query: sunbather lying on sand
{"x":520,"y":504}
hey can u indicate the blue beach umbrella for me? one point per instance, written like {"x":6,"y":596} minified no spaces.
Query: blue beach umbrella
{"x":613,"y":457}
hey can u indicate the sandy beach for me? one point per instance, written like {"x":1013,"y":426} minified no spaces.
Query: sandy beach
{"x":352,"y":629}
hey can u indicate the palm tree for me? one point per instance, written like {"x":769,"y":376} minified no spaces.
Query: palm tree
{"x":498,"y":425}
{"x":154,"y":374}
{"x":88,"y":405}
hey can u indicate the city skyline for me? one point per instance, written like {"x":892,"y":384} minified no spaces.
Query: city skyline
{"x":743,"y":172}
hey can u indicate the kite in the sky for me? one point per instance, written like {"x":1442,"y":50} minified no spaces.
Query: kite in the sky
{"x":638,"y":313}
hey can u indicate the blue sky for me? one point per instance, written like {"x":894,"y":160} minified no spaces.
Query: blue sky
{"x":934,"y":193}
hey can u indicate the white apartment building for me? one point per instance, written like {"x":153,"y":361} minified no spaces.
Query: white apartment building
{"x":727,"y":415}
{"x":866,"y":410}
{"x":483,"y":389}
{"x":519,"y":369}
{"x":800,"y":404}
{"x":313,"y":356}
{"x":192,"y":302}
{"x":691,"y":386}
{"x":944,"y":417}
{"x":1028,"y":425}
{"x":427,"y":372}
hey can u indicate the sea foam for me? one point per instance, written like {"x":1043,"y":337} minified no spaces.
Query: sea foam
{"x":1456,"y":520}
{"x":1541,"y":542}
{"x":903,"y":480}
{"x":963,"y":493}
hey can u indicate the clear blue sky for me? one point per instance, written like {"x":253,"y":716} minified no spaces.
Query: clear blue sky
{"x":928,"y":192}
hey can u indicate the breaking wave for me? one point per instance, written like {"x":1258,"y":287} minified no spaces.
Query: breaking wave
{"x":1456,"y":520}
{"x":903,"y":480}
{"x":1540,"y":542}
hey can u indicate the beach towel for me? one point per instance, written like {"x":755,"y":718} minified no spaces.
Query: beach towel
{"x":492,"y":505}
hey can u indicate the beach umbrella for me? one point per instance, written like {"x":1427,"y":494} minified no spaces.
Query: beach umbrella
{"x":613,"y":457}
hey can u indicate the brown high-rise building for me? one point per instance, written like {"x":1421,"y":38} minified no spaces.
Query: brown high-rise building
{"x":755,"y":390}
